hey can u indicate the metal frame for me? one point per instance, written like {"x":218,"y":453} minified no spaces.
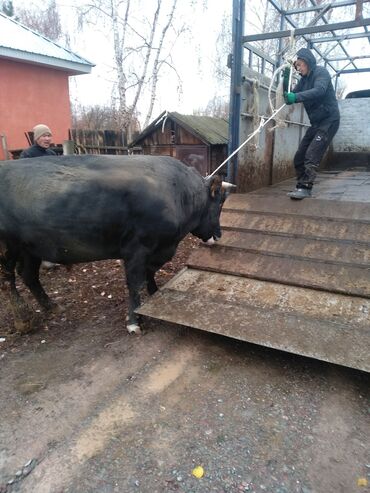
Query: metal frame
{"x":318,"y":24}
{"x":313,"y":28}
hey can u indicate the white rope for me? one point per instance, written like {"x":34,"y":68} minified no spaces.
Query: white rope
{"x":289,"y":58}
{"x":260,"y":127}
{"x":274,"y":75}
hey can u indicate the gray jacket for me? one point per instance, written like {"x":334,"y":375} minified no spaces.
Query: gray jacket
{"x":315,"y":90}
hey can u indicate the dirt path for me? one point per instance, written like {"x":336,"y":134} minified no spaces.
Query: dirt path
{"x":100,"y":411}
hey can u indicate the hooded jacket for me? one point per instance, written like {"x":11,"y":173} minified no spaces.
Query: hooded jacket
{"x":315,"y":90}
{"x":37,"y":151}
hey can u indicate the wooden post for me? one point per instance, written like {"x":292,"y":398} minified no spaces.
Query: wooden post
{"x":68,"y":147}
{"x":4,"y":146}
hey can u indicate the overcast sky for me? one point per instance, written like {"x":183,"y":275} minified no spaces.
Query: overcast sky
{"x":194,"y":57}
{"x":198,"y":82}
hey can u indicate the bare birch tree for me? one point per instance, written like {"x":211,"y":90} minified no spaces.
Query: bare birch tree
{"x":158,"y":63}
{"x":140,"y":48}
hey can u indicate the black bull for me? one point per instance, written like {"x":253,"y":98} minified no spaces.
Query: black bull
{"x":74,"y":209}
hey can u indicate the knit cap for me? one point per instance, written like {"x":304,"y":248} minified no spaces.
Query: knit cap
{"x":39,"y":130}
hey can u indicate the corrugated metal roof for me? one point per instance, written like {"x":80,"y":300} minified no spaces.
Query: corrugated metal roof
{"x":210,"y":129}
{"x":18,"y":42}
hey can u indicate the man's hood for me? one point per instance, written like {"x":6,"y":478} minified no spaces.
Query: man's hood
{"x":306,"y":55}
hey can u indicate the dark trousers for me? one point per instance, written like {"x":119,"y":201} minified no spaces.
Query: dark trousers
{"x":310,"y":152}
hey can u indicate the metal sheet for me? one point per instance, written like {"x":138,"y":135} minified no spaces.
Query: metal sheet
{"x":329,"y":250}
{"x":339,"y":229}
{"x":221,"y":304}
{"x":265,"y":201}
{"x":267,"y":295}
{"x":334,"y":277}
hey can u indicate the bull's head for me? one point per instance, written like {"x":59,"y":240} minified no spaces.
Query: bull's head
{"x":209,"y":229}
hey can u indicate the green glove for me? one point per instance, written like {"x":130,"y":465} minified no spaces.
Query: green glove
{"x":290,"y":97}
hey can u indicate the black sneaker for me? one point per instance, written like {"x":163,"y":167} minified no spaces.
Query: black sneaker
{"x":300,"y":193}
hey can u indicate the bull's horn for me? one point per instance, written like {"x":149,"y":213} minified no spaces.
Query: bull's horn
{"x":227,"y":185}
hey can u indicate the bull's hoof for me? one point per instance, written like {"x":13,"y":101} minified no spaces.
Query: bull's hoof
{"x":23,"y":326}
{"x":54,"y":308}
{"x":133,"y":329}
{"x":58,"y":309}
{"x":45,"y":264}
{"x":22,"y":318}
{"x":210,"y":242}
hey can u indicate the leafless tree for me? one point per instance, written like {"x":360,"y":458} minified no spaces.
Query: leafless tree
{"x":98,"y":118}
{"x":216,"y":106}
{"x":45,"y":21}
{"x":141,"y":48}
{"x":94,"y":118}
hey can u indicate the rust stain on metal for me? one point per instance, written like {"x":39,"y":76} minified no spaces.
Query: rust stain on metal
{"x":253,"y":172}
{"x":285,"y":275}
{"x":334,"y":277}
{"x":328,"y":338}
{"x":297,"y":225}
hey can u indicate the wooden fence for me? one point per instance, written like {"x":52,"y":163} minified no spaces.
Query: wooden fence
{"x":98,"y":141}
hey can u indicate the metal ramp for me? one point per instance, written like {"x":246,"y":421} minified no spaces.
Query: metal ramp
{"x":288,"y":275}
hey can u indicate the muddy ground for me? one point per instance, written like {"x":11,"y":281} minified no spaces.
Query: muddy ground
{"x":85,"y":407}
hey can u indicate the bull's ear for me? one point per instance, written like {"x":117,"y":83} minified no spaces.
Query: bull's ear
{"x":215,"y":185}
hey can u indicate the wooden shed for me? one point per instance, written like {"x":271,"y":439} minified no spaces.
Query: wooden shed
{"x":34,"y":84}
{"x":198,"y":141}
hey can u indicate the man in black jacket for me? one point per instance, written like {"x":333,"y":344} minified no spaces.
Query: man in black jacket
{"x":315,"y":90}
{"x":42,"y":141}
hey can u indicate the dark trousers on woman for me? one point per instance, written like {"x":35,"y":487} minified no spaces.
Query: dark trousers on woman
{"x":310,"y":152}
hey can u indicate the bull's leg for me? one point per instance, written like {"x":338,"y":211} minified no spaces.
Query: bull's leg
{"x":151,"y":285}
{"x":135,"y":277}
{"x":157,"y":259}
{"x":30,"y":275}
{"x":21,"y":313}
{"x":135,"y":281}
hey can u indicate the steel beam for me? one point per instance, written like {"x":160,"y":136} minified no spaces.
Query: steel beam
{"x":319,"y":7}
{"x":323,"y":9}
{"x":235,"y":85}
{"x":308,"y":30}
{"x":292,"y":23}
{"x":357,"y":17}
{"x":344,"y":59}
{"x":352,"y":71}
{"x":277,"y":6}
{"x":259,"y":53}
{"x":328,"y":39}
{"x":319,"y":16}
